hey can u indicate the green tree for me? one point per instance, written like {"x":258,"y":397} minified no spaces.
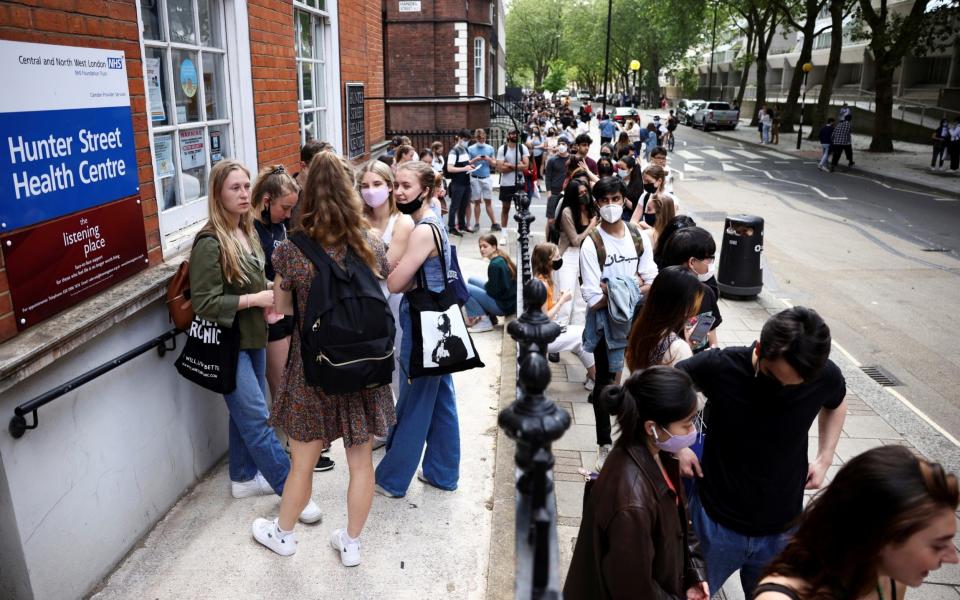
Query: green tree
{"x":533,"y":29}
{"x":802,"y":16}
{"x":556,"y":80}
{"x":839,"y":9}
{"x":581,"y":43}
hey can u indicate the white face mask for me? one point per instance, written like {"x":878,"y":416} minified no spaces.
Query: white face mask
{"x":623,"y":173}
{"x":562,"y":149}
{"x":611,"y":213}
{"x":706,"y":276}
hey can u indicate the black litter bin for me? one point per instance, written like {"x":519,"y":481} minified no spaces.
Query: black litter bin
{"x":740,"y":274}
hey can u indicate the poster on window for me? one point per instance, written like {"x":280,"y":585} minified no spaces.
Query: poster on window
{"x":163,"y":152}
{"x":191,"y":148}
{"x":66,"y":132}
{"x":154,"y":92}
{"x":215,"y":153}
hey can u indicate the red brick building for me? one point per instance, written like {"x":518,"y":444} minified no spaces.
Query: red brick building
{"x":440,"y":48}
{"x":249,"y":80}
{"x":275,"y":74}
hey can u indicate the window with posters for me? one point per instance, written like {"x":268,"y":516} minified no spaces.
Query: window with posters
{"x":188,"y":103}
{"x":318,"y":80}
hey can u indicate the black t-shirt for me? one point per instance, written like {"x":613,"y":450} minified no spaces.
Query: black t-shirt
{"x":270,"y":237}
{"x":755,"y":451}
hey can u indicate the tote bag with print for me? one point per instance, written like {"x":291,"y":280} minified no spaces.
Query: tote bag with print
{"x":441,"y":342}
{"x":209,"y":357}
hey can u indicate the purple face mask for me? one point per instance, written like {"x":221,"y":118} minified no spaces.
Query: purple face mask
{"x":675,"y":443}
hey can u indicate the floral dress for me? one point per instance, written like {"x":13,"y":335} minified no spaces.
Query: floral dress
{"x":305,"y":413}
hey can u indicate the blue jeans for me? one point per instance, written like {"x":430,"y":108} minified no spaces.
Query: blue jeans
{"x":825,"y":157}
{"x":766,"y":140}
{"x":726,"y":550}
{"x":480,"y":302}
{"x":253,"y":444}
{"x":426,"y":414}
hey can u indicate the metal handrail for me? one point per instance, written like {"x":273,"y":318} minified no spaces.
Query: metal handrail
{"x":18,"y":423}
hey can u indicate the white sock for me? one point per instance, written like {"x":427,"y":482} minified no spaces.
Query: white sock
{"x":280,"y":532}
{"x":349,"y":540}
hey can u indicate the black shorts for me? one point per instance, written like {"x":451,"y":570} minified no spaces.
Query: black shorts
{"x":507,"y":192}
{"x":281,"y":329}
{"x":552,"y":203}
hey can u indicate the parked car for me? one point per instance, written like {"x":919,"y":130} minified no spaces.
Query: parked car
{"x":563,"y":94}
{"x":584,"y":96}
{"x":622,"y":113}
{"x":714,"y":115}
{"x":688,"y":111}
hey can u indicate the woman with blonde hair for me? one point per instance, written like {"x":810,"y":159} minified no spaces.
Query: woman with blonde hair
{"x":660,"y":210}
{"x":380,"y":208}
{"x":228,"y":287}
{"x":333,"y":221}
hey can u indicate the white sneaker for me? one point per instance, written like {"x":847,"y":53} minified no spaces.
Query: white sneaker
{"x":383,"y":492}
{"x":266,"y":533}
{"x":602,"y":453}
{"x":311,"y":514}
{"x":349,"y":553}
{"x":484,"y":324}
{"x":257,"y":486}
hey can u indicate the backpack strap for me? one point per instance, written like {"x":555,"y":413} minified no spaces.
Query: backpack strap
{"x":601,"y":249}
{"x":632,"y":229}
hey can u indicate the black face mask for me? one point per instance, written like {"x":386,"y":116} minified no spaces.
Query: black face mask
{"x":650,"y":219}
{"x":650,"y":187}
{"x":557,"y":264}
{"x":408,"y":208}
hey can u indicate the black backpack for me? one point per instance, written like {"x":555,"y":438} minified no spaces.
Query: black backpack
{"x":457,"y":150}
{"x":348,"y":330}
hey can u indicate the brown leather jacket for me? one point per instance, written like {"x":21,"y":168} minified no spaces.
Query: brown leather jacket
{"x":634,"y":541}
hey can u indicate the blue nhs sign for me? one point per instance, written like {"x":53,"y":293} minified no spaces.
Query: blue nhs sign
{"x":114,"y":63}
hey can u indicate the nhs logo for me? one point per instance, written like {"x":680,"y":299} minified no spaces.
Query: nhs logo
{"x":114,"y":63}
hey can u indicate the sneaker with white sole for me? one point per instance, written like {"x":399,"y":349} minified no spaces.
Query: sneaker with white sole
{"x":257,"y":486}
{"x":383,"y":492}
{"x":349,"y":552}
{"x":267,"y":533}
{"x":602,"y":453}
{"x":484,"y":324}
{"x":311,"y":513}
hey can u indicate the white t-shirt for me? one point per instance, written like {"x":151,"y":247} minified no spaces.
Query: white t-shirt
{"x":510,"y":157}
{"x":621,"y":261}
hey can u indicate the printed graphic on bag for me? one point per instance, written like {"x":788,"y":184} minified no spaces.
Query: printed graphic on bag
{"x":445,"y":338}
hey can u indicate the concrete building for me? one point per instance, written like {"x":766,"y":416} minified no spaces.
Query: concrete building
{"x":205,"y":80}
{"x":928,"y":81}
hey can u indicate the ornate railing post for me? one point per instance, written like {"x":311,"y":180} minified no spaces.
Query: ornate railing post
{"x":534,"y":422}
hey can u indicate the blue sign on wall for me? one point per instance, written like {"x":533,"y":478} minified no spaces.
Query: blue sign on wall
{"x":66,"y":135}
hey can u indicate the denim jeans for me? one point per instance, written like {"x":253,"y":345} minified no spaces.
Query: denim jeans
{"x":426,"y":414}
{"x":480,"y":302}
{"x":766,"y":140}
{"x":726,"y":550}
{"x":825,"y":157}
{"x":253,"y":444}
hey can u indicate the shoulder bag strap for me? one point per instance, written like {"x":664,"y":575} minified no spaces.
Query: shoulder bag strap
{"x":600,"y":248}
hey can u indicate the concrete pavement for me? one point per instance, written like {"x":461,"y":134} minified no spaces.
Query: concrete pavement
{"x":430,"y":544}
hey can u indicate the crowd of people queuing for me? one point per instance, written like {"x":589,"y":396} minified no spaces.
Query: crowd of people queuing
{"x":708,"y":472}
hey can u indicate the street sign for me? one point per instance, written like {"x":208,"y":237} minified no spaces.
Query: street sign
{"x":66,"y":133}
{"x":54,"y":265}
{"x":356,"y":131}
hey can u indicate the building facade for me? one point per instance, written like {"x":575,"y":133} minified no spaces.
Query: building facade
{"x":206,"y":80}
{"x":920,"y":81}
{"x":442,"y":56}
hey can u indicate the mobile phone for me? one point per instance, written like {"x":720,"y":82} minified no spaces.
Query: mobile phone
{"x":699,"y":334}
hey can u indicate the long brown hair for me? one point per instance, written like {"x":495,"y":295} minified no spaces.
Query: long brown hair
{"x":665,"y":209}
{"x":491,"y":240}
{"x":878,"y":498}
{"x":674,"y":297}
{"x":232,"y":253}
{"x":332,"y":209}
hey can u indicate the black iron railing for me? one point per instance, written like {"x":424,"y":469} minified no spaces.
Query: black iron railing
{"x":18,"y":423}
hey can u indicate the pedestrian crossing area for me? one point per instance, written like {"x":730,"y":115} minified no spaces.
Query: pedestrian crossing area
{"x":692,"y":163}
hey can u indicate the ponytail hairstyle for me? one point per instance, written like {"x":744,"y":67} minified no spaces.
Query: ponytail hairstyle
{"x":332,"y":208}
{"x":273,"y":182}
{"x":878,"y":499}
{"x":660,"y":394}
{"x":232,"y":253}
{"x":492,"y":241}
{"x":381,"y":170}
{"x":665,"y":209}
{"x":541,"y":260}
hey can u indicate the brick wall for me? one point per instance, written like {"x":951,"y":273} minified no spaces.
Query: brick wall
{"x":274,"y":74}
{"x":110,"y":24}
{"x":361,"y":60}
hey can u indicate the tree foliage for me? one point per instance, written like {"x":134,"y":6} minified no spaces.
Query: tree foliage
{"x":533,"y":29}
{"x":556,"y":79}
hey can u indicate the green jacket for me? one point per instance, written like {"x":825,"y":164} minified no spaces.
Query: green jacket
{"x":216,"y":300}
{"x":501,"y":286}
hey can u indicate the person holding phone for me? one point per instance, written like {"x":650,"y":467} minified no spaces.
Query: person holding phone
{"x":694,"y":249}
{"x":659,"y":335}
